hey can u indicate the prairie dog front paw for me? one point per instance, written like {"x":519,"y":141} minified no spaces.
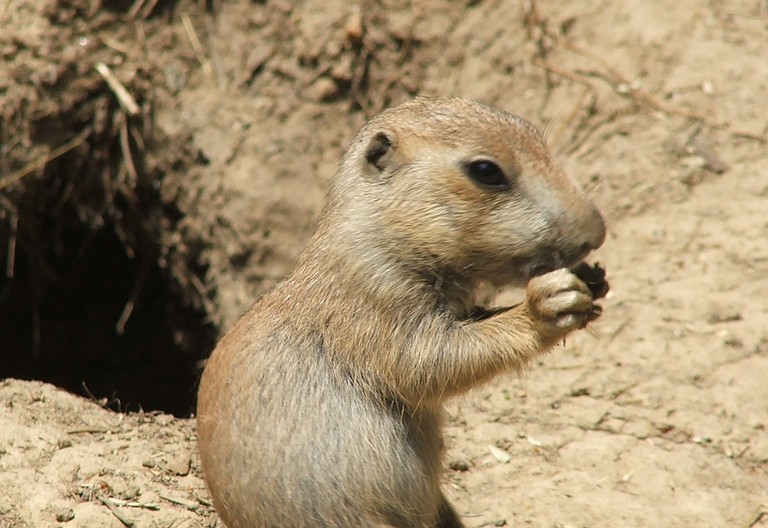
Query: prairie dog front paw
{"x":559,"y":303}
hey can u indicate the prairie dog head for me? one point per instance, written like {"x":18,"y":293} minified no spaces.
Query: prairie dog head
{"x":449,"y":186}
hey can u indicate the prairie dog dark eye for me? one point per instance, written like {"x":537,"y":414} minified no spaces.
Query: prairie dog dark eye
{"x":486,"y":173}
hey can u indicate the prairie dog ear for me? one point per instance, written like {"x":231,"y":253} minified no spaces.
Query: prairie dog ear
{"x":379,"y":153}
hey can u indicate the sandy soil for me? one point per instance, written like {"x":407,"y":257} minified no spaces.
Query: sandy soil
{"x":656,"y":417}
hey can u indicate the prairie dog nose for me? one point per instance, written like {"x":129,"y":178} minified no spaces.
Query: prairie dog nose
{"x":583,"y":229}
{"x":593,"y":230}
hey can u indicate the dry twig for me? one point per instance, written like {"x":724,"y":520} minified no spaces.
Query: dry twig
{"x":13,"y":221}
{"x":124,"y":97}
{"x":190,"y":505}
{"x":125,"y":147}
{"x":130,"y":304}
{"x":139,"y":5}
{"x":581,"y":79}
{"x":197,"y":47}
{"x":89,"y":430}
{"x":42,"y":162}
{"x":113,"y":509}
{"x":760,"y":514}
{"x":133,"y":504}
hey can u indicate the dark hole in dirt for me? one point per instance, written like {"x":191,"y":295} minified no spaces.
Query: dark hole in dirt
{"x":84,"y":300}
{"x":101,"y":291}
{"x":67,"y":334}
{"x":145,"y":8}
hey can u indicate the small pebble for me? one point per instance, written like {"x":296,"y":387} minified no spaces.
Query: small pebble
{"x":179,"y":465}
{"x":65,"y":514}
{"x":499,"y":454}
{"x":458,"y":465}
{"x":323,"y":89}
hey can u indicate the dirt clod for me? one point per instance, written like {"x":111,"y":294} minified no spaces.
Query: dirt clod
{"x":65,"y":515}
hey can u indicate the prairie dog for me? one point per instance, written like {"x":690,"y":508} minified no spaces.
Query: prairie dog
{"x":322,"y":406}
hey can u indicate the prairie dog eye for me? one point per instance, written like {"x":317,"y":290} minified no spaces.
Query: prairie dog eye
{"x":487,"y":174}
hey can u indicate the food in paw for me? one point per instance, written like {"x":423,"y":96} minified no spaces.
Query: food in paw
{"x":594,"y":277}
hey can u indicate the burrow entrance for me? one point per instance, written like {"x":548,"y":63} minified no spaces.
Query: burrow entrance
{"x":98,"y":293}
{"x":103,"y":324}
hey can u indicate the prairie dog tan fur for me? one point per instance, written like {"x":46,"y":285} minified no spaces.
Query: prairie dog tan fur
{"x":322,"y":406}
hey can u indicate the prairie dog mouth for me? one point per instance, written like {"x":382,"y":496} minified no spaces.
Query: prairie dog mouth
{"x":555,"y":260}
{"x":518,"y":271}
{"x":593,"y":275}
{"x":540,"y":268}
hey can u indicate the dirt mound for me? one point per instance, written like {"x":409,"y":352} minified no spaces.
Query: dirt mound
{"x":131,"y":236}
{"x":67,"y":460}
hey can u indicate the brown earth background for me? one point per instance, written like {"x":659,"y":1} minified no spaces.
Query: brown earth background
{"x":162,"y":164}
